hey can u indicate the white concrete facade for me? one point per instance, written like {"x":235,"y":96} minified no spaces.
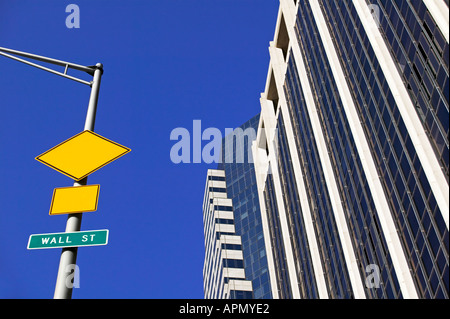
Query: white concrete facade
{"x":220,"y":242}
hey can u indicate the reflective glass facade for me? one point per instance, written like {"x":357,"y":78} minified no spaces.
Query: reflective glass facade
{"x":325,"y":227}
{"x":417,"y":217}
{"x":276,"y":241}
{"x":422,"y":56}
{"x":368,"y":240}
{"x":242,"y":189}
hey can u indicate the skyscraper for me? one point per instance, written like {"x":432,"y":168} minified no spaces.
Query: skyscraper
{"x":352,"y":150}
{"x":232,"y":221}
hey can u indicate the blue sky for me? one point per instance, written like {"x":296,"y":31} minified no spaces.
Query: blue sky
{"x":166,"y":64}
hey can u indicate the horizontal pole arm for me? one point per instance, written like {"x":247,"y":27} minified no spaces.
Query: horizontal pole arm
{"x":74,"y":66}
{"x":46,"y":69}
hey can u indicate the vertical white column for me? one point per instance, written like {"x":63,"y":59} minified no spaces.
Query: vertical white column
{"x":440,"y":13}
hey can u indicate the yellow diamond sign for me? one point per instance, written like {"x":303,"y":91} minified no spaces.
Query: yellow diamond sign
{"x":82,"y":154}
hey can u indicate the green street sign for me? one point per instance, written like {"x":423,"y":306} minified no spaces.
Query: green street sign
{"x":75,"y":239}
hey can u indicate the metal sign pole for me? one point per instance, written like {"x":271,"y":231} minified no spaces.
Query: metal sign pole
{"x":67,"y":263}
{"x":63,"y":289}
